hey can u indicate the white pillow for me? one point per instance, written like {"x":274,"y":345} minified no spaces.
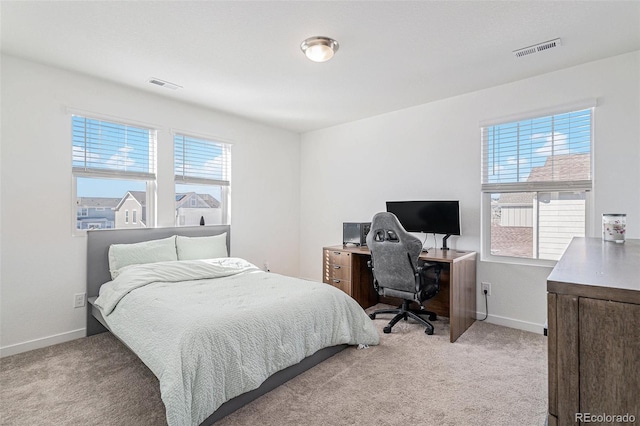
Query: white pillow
{"x":192,"y":248}
{"x":121,"y":255}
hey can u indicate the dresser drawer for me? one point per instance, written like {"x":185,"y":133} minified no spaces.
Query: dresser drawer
{"x":337,"y":257}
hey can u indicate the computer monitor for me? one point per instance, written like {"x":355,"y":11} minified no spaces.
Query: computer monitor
{"x":438,"y":217}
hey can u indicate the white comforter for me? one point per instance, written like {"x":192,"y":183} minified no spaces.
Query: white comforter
{"x":213,"y":329}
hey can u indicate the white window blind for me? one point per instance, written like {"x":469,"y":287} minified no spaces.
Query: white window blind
{"x":547,"y":153}
{"x":106,"y":149}
{"x":201,"y":161}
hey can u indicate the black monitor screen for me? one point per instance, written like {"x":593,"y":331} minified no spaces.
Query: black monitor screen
{"x":440,"y":217}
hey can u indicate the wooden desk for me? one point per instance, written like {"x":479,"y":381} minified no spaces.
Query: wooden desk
{"x":594,"y":338}
{"x":346,"y":267}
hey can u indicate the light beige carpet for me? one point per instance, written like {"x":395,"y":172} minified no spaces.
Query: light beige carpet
{"x":491,"y":376}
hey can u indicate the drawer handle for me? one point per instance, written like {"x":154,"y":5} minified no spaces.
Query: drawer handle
{"x":336,"y":281}
{"x":337,"y":266}
{"x":337,"y":253}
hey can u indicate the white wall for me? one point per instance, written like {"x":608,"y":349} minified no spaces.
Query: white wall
{"x":42,"y":265}
{"x":432,"y":151}
{"x":343,"y":173}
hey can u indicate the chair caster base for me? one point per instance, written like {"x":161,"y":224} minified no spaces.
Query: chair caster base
{"x":403,"y":313}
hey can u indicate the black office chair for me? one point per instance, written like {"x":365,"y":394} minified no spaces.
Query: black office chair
{"x":396,"y":273}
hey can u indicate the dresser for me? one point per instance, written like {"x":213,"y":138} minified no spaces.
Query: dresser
{"x":594,"y":333}
{"x":345,"y":267}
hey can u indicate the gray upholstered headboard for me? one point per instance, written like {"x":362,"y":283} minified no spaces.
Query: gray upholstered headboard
{"x":98,"y":242}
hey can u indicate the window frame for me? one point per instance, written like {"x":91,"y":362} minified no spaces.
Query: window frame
{"x":150,"y":181}
{"x":485,"y":202}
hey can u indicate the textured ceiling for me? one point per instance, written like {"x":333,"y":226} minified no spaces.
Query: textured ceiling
{"x":244,"y":58}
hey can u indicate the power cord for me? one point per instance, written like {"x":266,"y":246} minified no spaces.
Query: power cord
{"x":425,"y":242}
{"x":486,"y":306}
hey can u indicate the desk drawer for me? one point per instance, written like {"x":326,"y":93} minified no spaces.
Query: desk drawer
{"x":340,"y":272}
{"x":337,"y":257}
{"x":344,"y":285}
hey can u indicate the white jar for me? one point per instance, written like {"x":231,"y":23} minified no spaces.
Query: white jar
{"x":613,"y":227}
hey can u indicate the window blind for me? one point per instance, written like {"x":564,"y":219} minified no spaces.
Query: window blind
{"x":201,"y":161}
{"x":545,"y":153}
{"x":106,"y":149}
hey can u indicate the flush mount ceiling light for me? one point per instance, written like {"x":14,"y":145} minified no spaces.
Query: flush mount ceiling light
{"x":319,"y":49}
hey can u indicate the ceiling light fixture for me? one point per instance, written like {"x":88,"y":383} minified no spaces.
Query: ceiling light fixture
{"x":319,"y":49}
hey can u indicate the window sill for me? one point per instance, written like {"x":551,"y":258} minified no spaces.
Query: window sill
{"x":518,"y":261}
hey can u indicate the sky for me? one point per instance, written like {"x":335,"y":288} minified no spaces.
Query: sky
{"x":114,"y":147}
{"x":513,"y":149}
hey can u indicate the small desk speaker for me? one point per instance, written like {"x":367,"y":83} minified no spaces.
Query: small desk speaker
{"x":355,"y":233}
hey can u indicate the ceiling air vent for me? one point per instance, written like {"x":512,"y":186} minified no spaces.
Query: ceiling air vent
{"x":164,"y":84}
{"x":540,"y":47}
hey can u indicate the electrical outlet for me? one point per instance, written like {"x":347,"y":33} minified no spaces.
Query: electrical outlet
{"x":485,"y":287}
{"x":79,"y":300}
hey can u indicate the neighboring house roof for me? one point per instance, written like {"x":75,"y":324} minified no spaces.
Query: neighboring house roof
{"x":512,"y":241}
{"x":562,"y":167}
{"x":565,"y":167}
{"x":181,"y":199}
{"x":97,"y":202}
{"x":139,"y":196}
{"x":516,"y":198}
{"x":211,"y":201}
{"x":93,"y":219}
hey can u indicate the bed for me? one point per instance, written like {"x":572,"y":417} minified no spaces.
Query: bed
{"x":270,"y":328}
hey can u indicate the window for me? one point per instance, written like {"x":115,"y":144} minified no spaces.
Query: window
{"x":134,"y":216}
{"x":202,"y":176}
{"x":536,"y":174}
{"x":114,"y":170}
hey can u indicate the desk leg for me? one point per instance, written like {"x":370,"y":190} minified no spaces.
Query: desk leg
{"x":462,"y":296}
{"x":362,"y":281}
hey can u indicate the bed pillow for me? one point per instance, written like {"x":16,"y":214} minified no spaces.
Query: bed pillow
{"x":122,"y":255}
{"x":192,"y":248}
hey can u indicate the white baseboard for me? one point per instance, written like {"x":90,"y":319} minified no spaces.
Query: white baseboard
{"x":42,"y":343}
{"x":512,"y":323}
{"x":498,"y":320}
